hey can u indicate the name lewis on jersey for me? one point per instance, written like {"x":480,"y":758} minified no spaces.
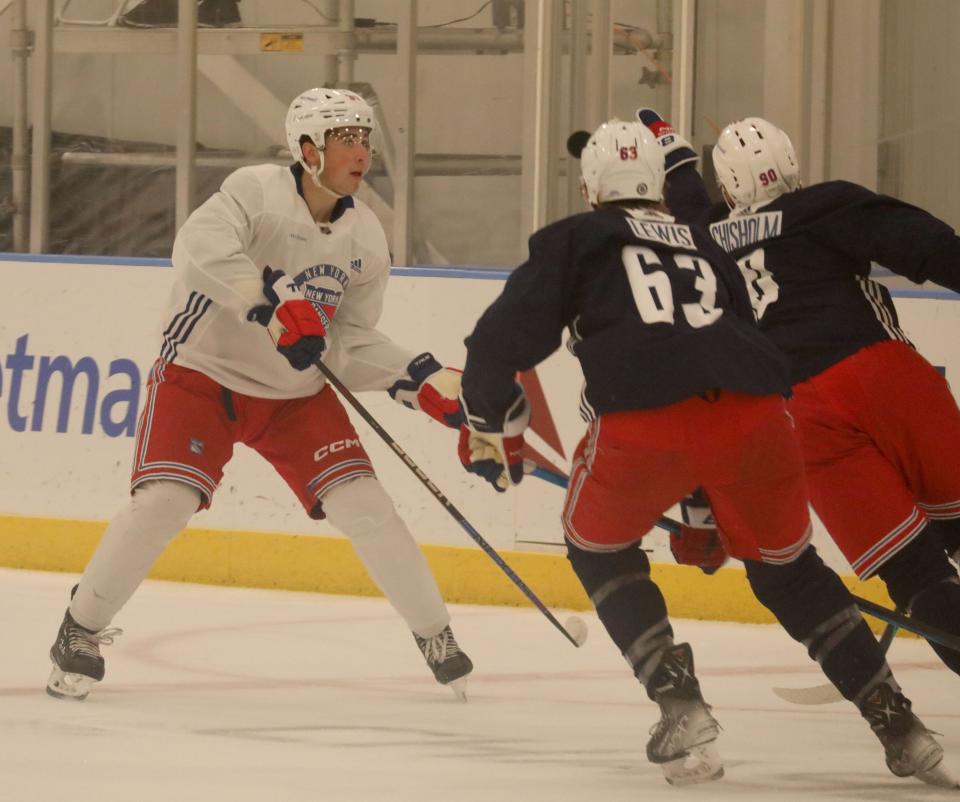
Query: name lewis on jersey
{"x":672,"y":234}
{"x":738,"y":232}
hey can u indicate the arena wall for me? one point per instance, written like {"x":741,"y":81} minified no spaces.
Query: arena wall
{"x":77,"y":337}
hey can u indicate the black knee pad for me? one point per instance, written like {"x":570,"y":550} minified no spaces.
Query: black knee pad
{"x":596,"y":568}
{"x":801,"y":594}
{"x":920,"y":565}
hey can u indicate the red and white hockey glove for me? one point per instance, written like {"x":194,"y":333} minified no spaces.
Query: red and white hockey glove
{"x":292,"y":320}
{"x":698,"y":542}
{"x":700,"y":547}
{"x":494,"y":449}
{"x":431,"y":388}
{"x":676,"y":149}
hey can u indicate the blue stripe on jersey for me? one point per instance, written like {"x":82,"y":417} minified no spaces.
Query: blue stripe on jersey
{"x":182,"y":324}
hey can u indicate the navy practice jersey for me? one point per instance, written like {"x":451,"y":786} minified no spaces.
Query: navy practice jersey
{"x":807,"y":255}
{"x":656,"y":313}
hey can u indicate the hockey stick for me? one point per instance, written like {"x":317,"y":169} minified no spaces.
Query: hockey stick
{"x":827,"y":693}
{"x":909,"y":624}
{"x":893,"y":617}
{"x":531,"y":468}
{"x":448,"y":506}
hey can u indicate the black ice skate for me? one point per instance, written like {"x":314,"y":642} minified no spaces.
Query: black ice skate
{"x":684,"y":741}
{"x":910,"y":748}
{"x":449,"y":665}
{"x":163,"y":14}
{"x":77,"y":663}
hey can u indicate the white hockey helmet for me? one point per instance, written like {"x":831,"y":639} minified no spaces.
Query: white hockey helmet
{"x":622,"y":161}
{"x":755,"y":162}
{"x":315,"y":112}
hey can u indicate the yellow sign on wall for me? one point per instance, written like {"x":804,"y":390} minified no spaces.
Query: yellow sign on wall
{"x":281,"y":42}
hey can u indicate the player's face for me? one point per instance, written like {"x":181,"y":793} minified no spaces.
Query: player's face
{"x":346,"y":158}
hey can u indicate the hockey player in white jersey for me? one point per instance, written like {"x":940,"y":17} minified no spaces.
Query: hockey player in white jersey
{"x":284,"y":249}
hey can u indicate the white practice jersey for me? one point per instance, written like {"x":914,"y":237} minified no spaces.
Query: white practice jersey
{"x":259,"y":219}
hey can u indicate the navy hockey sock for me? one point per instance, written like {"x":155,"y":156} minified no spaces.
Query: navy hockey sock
{"x":815,"y":608}
{"x":921,"y":580}
{"x":948,"y":531}
{"x":628,"y":603}
{"x":920,"y":565}
{"x":938,"y":605}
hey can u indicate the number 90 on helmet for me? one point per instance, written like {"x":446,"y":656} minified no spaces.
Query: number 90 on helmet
{"x":622,"y":161}
{"x":755,"y":162}
{"x":315,"y":112}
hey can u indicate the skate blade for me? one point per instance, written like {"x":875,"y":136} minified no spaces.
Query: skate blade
{"x":701,"y":764}
{"x":938,"y":776}
{"x":459,"y":688}
{"x":62,"y":685}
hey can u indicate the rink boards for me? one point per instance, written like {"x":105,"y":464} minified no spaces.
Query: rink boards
{"x":77,"y":337}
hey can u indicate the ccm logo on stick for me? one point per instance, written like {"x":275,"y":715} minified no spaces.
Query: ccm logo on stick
{"x":334,"y":447}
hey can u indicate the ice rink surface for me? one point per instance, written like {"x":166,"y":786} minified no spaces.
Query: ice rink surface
{"x":270,"y":696}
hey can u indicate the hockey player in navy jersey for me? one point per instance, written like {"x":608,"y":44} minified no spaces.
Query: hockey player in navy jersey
{"x":681,"y":390}
{"x":284,"y":249}
{"x":878,"y":425}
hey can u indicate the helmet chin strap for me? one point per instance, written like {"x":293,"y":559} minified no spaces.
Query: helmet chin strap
{"x":314,"y":173}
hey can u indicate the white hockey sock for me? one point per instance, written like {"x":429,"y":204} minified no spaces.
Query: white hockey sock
{"x":130,"y":546}
{"x":363,"y":511}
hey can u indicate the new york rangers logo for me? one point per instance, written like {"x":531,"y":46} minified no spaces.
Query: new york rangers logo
{"x":325,"y":301}
{"x":323,"y":285}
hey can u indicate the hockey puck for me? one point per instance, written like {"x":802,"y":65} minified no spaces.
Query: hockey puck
{"x":577,"y":629}
{"x":576,"y":142}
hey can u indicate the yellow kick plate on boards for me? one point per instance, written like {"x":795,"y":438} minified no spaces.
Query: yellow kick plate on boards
{"x":281,"y":42}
